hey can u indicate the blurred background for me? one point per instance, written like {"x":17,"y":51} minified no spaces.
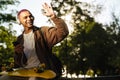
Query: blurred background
{"x":92,"y":48}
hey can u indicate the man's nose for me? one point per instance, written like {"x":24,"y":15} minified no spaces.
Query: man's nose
{"x":28,"y":18}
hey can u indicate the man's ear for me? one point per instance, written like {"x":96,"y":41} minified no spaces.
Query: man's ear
{"x":33,"y":17}
{"x":18,"y":21}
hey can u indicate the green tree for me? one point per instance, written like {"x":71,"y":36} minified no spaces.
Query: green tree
{"x":114,"y":31}
{"x":6,"y":46}
{"x":72,"y":51}
{"x":90,"y":44}
{"x":7,"y":35}
{"x":6,"y":16}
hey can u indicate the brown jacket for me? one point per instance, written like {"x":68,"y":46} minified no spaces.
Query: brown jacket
{"x":52,"y":36}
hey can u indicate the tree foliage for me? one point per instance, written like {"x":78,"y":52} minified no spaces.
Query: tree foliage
{"x":114,"y":31}
{"x":6,"y":47}
{"x":7,"y":35}
{"x":91,"y":45}
{"x":7,"y":16}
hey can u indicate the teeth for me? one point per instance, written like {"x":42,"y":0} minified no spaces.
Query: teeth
{"x":29,"y":22}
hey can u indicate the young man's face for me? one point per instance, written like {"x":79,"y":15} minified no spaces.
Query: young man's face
{"x":26,"y":19}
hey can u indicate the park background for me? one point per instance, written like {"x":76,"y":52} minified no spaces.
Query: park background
{"x":91,"y":49}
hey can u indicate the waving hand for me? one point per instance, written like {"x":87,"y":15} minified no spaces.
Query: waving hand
{"x":48,"y":11}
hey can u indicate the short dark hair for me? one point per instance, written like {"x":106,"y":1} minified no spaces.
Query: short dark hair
{"x":22,"y":11}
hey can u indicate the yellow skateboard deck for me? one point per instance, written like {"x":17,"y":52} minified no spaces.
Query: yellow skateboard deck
{"x":46,"y":74}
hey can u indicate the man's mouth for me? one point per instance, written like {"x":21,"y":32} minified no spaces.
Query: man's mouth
{"x":29,"y":23}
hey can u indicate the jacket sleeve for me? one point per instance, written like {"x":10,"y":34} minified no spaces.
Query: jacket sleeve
{"x":53,"y":35}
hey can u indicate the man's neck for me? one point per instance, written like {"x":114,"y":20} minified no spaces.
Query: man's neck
{"x":27,"y":30}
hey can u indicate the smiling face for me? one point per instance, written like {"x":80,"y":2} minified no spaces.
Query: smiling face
{"x":26,"y":19}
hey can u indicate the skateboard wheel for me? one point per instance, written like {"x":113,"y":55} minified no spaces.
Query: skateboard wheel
{"x":35,"y":69}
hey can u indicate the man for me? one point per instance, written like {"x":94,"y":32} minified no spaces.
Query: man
{"x":30,"y":50}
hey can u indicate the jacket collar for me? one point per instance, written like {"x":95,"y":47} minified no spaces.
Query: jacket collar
{"x":34,"y":29}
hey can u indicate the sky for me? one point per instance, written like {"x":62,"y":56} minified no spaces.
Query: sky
{"x":109,"y":6}
{"x":35,"y":7}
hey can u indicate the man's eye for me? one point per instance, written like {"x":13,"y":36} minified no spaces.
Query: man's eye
{"x":25,"y":17}
{"x":31,"y":16}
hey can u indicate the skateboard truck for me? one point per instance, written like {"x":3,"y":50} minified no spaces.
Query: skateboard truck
{"x":40,"y":68}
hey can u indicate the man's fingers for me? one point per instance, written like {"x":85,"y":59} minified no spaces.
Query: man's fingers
{"x":46,"y":6}
{"x":47,"y":10}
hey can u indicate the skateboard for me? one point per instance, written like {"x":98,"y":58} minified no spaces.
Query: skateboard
{"x":32,"y":72}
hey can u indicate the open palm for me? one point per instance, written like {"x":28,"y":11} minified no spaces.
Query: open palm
{"x":48,"y":11}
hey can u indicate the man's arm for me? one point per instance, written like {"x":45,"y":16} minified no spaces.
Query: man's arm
{"x":55,"y":34}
